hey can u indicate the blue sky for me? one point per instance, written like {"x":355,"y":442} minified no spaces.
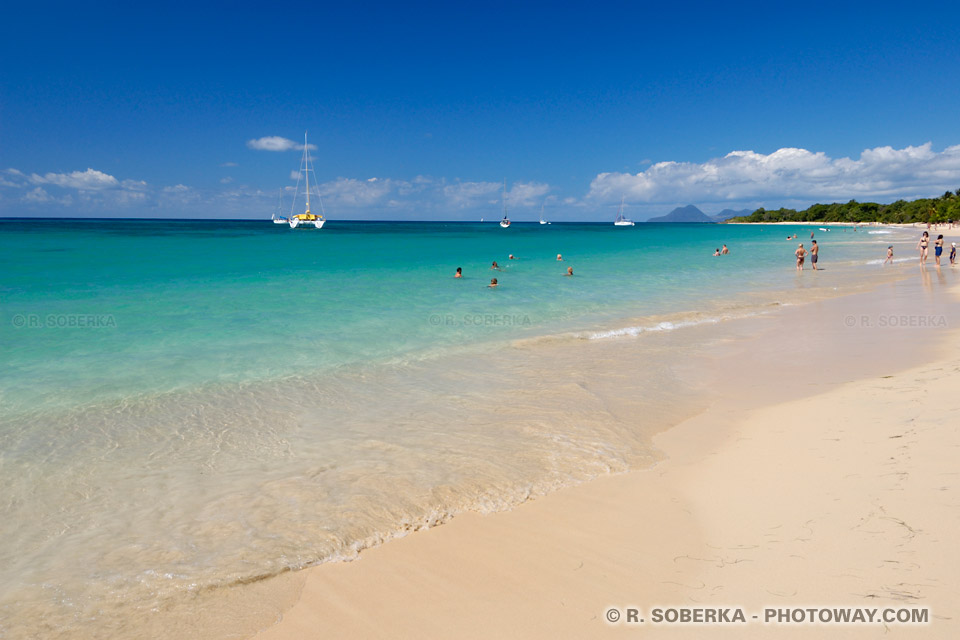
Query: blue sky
{"x":418,"y":111}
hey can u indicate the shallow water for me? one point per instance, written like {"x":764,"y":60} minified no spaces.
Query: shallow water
{"x":190,"y":405}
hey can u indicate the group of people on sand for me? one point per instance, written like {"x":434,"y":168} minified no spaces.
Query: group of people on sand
{"x":924,"y":245}
{"x":801,"y":254}
{"x":496,"y":267}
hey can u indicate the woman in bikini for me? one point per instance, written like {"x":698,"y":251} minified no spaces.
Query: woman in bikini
{"x":922,"y":245}
{"x":801,"y":253}
{"x":938,"y":249}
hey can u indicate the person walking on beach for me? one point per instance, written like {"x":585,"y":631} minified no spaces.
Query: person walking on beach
{"x":953,"y":253}
{"x":938,"y":249}
{"x":801,"y":253}
{"x":814,"y":251}
{"x":889,"y":255}
{"x":922,"y":245}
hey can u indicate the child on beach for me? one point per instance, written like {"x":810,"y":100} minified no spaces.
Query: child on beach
{"x":801,"y":253}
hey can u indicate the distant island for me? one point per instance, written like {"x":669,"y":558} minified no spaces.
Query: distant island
{"x":690,"y":213}
{"x":925,"y":210}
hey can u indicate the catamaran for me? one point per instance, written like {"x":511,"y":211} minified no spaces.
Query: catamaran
{"x":506,"y":221}
{"x":278,"y":217}
{"x":307,"y":218}
{"x":621,"y":221}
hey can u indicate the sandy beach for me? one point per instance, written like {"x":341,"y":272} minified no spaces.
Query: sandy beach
{"x":823,"y":475}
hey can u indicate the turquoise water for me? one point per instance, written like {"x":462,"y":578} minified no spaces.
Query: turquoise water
{"x":111,"y":308}
{"x":190,"y":406}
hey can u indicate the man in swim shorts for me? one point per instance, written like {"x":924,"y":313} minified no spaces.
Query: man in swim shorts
{"x":814,"y":250}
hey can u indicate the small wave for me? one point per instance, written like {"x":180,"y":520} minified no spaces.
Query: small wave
{"x":875,"y":233}
{"x":882,"y":260}
{"x":666,"y":325}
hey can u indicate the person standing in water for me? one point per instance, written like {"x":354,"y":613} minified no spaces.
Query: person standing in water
{"x":801,"y":253}
{"x":889,"y":255}
{"x":569,"y":271}
{"x":724,"y":251}
{"x":938,"y":249}
{"x":922,"y":246}
{"x":459,"y":273}
{"x":953,"y":253}
{"x":814,"y":251}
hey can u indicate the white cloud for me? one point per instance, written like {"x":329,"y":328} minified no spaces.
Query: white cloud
{"x":353,"y":193}
{"x":40,"y":196}
{"x":787,"y":174}
{"x":527,"y":194}
{"x":91,"y":179}
{"x":276,"y":143}
{"x":294,"y":175}
{"x":463,"y":195}
{"x":226,"y":180}
{"x":229,"y":164}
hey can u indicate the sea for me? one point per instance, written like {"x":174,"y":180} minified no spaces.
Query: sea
{"x":188,"y":408}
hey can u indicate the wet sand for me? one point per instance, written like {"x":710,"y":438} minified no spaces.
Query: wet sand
{"x":822,"y":474}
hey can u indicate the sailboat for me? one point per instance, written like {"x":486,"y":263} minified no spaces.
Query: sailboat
{"x":307,"y":218}
{"x":506,"y":221}
{"x":621,"y":221}
{"x":542,"y":221}
{"x":278,"y":217}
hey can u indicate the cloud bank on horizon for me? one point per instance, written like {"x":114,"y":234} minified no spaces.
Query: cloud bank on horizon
{"x":787,"y":176}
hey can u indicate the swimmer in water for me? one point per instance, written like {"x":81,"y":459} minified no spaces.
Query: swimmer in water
{"x":569,"y":271}
{"x":511,"y":257}
{"x":493,"y":283}
{"x":495,"y":266}
{"x":724,"y":251}
{"x":716,"y":252}
{"x":459,"y":273}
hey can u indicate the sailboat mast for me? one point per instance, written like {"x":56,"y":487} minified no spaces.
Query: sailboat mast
{"x":306,"y":163}
{"x":504,"y":198}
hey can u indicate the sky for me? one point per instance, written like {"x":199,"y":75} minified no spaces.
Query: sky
{"x":420,"y":111}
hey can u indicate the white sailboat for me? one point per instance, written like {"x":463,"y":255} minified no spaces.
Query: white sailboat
{"x":278,"y":217}
{"x":506,"y":221}
{"x":621,"y":221}
{"x":306,"y":219}
{"x":542,"y":221}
